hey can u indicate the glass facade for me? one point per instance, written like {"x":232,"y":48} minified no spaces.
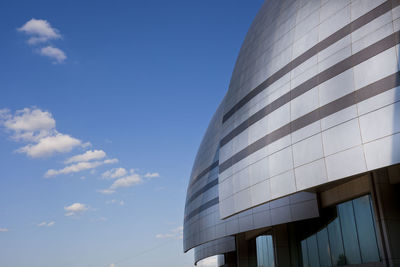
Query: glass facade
{"x":349,"y":239}
{"x":265,"y":251}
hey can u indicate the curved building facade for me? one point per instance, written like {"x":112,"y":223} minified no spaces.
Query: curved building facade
{"x":299,"y":164}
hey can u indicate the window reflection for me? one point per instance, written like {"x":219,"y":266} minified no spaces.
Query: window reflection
{"x":336,"y":243}
{"x":324,"y":248}
{"x":366,"y":229}
{"x":349,"y":232}
{"x":265,"y":251}
{"x":313,"y":258}
{"x":349,"y":239}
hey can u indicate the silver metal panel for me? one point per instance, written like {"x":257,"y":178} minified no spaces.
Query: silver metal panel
{"x":311,"y":174}
{"x":213,"y":248}
{"x":334,"y":15}
{"x":336,"y":37}
{"x":308,"y":150}
{"x":313,"y":98}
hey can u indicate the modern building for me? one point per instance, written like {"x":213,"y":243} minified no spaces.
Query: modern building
{"x":300,"y":163}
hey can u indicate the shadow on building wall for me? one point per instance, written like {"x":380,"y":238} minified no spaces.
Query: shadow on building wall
{"x":396,"y":115}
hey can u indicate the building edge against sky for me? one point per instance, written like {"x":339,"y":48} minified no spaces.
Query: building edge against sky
{"x":300,"y":163}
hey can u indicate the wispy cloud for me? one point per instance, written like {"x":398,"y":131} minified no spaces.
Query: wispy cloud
{"x":176,"y":233}
{"x":37,"y":128}
{"x":106,"y":191}
{"x":54,"y":53}
{"x":152,"y":175}
{"x":115,"y":201}
{"x":40,"y":32}
{"x":75,"y":209}
{"x":114,"y":173}
{"x":78,"y":167}
{"x":3,"y":229}
{"x":87,"y":156}
{"x":110,"y":161}
{"x":129,"y":180}
{"x":46,"y":224}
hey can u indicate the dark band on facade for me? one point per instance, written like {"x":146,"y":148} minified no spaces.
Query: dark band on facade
{"x":318,"y":79}
{"x":319,"y":113}
{"x":204,"y":172}
{"x":346,"y":101}
{"x":333,"y":38}
{"x":205,"y":206}
{"x":202,"y":190}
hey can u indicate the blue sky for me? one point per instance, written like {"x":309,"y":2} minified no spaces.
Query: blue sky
{"x":102,"y":107}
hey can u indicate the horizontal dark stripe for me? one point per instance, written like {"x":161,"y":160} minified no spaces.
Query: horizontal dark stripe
{"x":204,"y":172}
{"x":205,"y":206}
{"x":346,"y":101}
{"x":333,"y":38}
{"x":322,"y":77}
{"x":202,"y":190}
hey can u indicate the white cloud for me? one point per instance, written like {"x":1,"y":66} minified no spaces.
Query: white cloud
{"x":47,"y":146}
{"x":75,"y":209}
{"x":110,"y":161}
{"x":3,"y":229}
{"x":112,"y":265}
{"x":54,"y":53}
{"x":40,"y":31}
{"x":46,"y":224}
{"x":4,"y":114}
{"x":106,"y":191}
{"x":176,"y":233}
{"x":152,"y":175}
{"x":114,"y":173}
{"x":209,"y":262}
{"x":28,"y":124}
{"x":78,"y":167}
{"x":87,"y":156}
{"x":127,"y":181}
{"x":37,"y":128}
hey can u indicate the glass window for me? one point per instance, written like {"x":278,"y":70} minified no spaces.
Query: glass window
{"x":324,"y":248}
{"x":304,"y":252}
{"x":365,"y":228}
{"x":349,"y":239}
{"x":270,"y":250}
{"x":313,"y":258}
{"x":336,"y":243}
{"x":349,"y":233}
{"x":259,"y":250}
{"x":265,"y":251}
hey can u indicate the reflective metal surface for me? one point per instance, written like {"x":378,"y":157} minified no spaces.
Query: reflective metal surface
{"x":314,"y":98}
